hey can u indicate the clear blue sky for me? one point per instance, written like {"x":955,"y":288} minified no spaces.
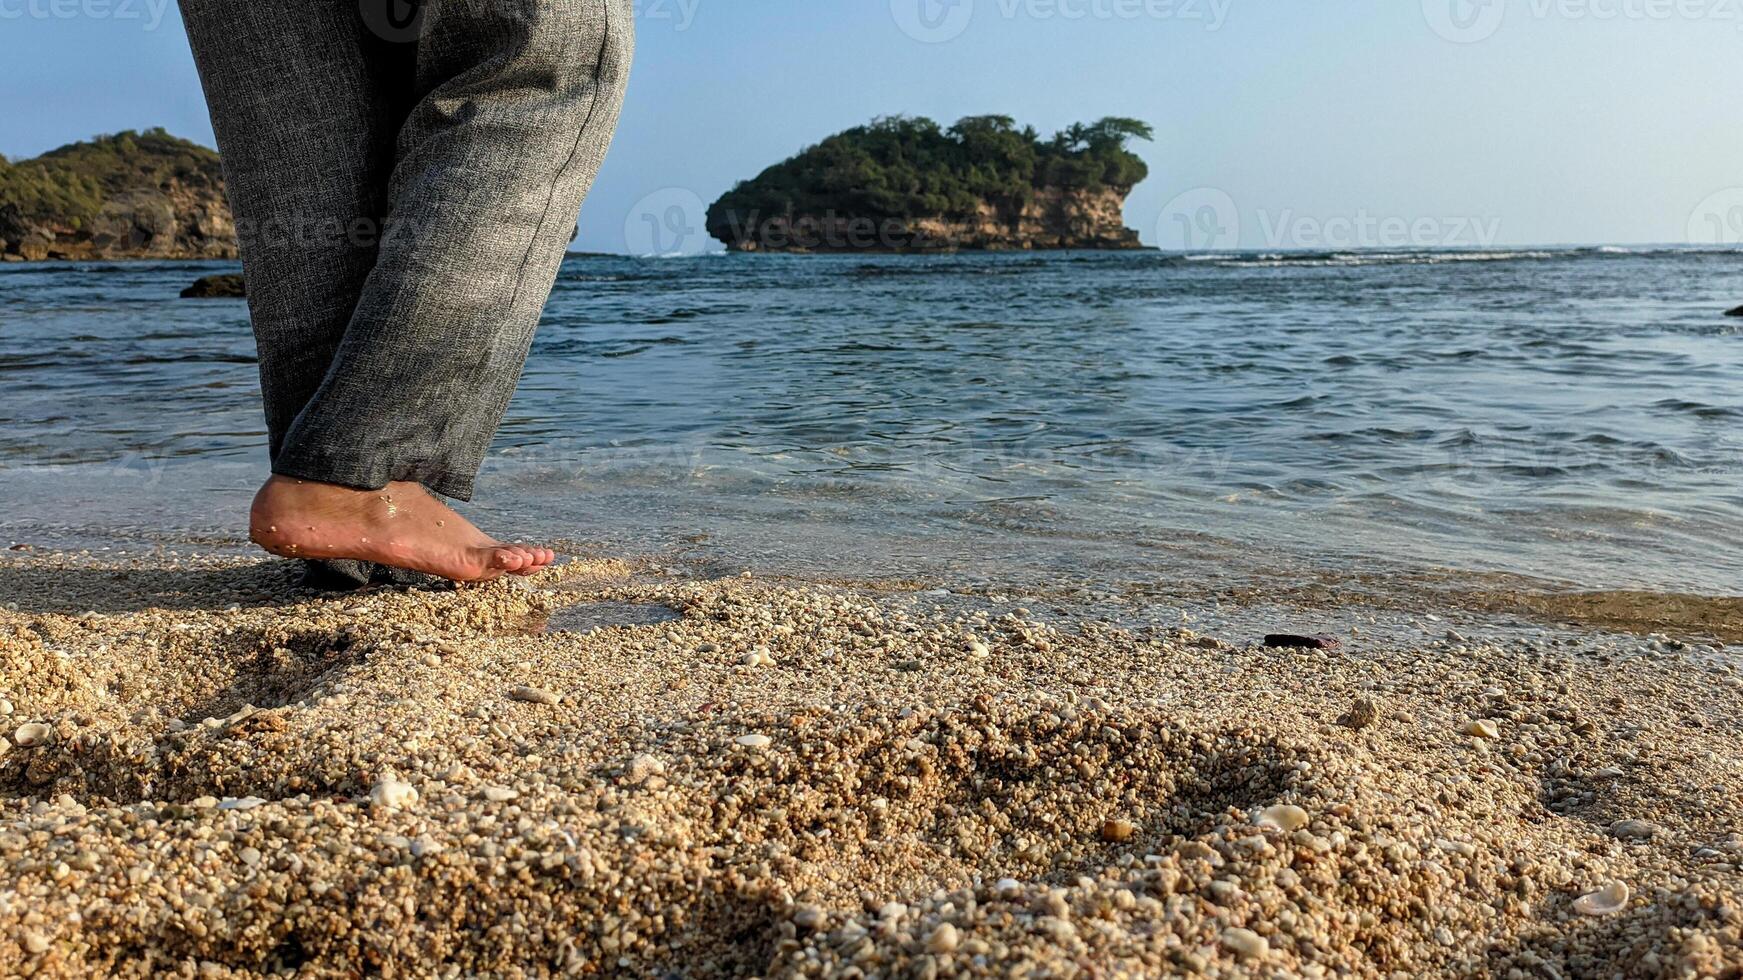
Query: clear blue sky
{"x":1282,"y":122}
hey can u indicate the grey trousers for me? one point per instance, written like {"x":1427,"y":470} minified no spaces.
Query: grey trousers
{"x":405,"y":179}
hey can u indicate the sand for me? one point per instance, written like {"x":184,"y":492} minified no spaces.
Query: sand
{"x":701,"y":777}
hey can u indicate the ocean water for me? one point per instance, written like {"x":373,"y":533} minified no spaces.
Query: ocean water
{"x":1570,"y":415}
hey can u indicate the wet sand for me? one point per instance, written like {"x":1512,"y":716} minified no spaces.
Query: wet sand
{"x":209,"y":772}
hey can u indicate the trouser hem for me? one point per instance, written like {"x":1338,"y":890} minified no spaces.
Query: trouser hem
{"x":373,"y":476}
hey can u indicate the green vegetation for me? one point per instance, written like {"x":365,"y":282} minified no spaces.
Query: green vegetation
{"x":906,"y":168}
{"x":69,"y":185}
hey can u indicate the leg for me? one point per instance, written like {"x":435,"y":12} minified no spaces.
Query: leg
{"x":517,"y":100}
{"x":517,"y":103}
{"x":307,"y":105}
{"x":308,"y":188}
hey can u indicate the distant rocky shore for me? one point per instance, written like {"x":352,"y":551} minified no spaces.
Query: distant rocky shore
{"x":130,"y":196}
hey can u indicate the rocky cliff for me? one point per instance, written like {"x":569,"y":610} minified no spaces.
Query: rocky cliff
{"x":910,"y":185}
{"x":129,"y":196}
{"x":1052,"y":219}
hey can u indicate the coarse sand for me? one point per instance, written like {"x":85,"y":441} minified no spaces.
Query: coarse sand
{"x":623,"y":771}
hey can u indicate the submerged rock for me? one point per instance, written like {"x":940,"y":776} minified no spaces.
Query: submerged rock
{"x":216,"y":287}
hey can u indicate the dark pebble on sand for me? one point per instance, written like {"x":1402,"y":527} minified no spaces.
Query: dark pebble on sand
{"x":1289,"y":641}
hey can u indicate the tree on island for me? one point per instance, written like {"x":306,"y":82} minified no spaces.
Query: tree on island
{"x":901,"y":168}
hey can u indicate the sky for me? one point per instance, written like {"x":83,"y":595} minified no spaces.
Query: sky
{"x":1279,"y":123}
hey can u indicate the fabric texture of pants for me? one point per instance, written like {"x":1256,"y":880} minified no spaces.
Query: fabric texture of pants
{"x":405,"y":180}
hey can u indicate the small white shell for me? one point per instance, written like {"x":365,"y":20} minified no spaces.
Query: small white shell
{"x":1284,"y":816}
{"x":1608,"y":900}
{"x":753,"y":741}
{"x":32,"y":734}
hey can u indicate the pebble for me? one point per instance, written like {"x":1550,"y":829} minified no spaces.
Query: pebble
{"x":500,"y":794}
{"x":753,"y":741}
{"x":249,"y":856}
{"x":393,"y":793}
{"x":5,"y":707}
{"x":1363,"y":713}
{"x":760,"y":657}
{"x":1008,"y":887}
{"x":1483,"y":728}
{"x":32,"y":734}
{"x":240,"y":803}
{"x":533,"y":695}
{"x":642,"y":768}
{"x":979,"y":650}
{"x":809,"y":917}
{"x":943,"y":939}
{"x":1117,"y":831}
{"x":1633,"y":830}
{"x":1608,"y":900}
{"x":1284,"y":816}
{"x":1245,"y":943}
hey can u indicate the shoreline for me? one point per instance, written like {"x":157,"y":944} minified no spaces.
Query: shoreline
{"x":758,"y":776}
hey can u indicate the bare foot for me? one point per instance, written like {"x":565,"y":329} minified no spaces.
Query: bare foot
{"x":401,"y":525}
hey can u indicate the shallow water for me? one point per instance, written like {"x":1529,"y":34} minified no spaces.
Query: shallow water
{"x":1570,"y":415}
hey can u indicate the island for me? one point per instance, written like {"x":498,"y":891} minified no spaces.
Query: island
{"x":133,"y":195}
{"x":906,"y":184}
